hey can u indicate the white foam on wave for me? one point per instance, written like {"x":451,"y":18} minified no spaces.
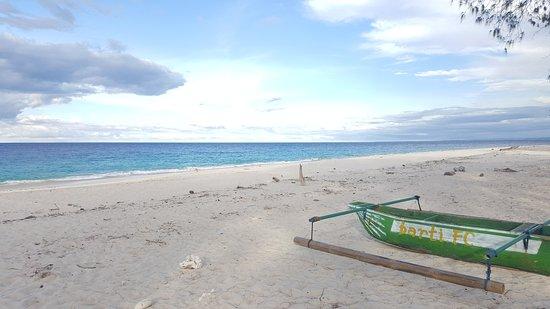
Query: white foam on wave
{"x":95,"y":176}
{"x":147,"y":172}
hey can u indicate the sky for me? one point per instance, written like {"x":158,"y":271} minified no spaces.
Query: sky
{"x":264,"y":71}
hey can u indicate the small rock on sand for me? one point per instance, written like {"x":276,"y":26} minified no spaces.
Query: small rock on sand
{"x":146,"y":303}
{"x":191,"y":262}
{"x":481,"y":175}
{"x":449,"y":173}
{"x":276,"y":179}
{"x":459,"y":169}
{"x":191,"y":192}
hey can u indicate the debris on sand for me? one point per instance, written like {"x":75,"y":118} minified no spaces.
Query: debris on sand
{"x":508,"y":148}
{"x":481,"y":175}
{"x":86,"y":266}
{"x":191,"y":192}
{"x":459,"y":169}
{"x":191,"y":262}
{"x":146,"y":303}
{"x":276,"y":179}
{"x":255,"y":187}
{"x":449,"y":173}
{"x":155,"y":242}
{"x":43,"y":272}
{"x":507,"y":170}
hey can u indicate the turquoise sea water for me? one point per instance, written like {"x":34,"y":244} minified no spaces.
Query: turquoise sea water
{"x":42,"y":161}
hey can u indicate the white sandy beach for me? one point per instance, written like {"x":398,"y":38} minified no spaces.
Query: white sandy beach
{"x":110,"y":243}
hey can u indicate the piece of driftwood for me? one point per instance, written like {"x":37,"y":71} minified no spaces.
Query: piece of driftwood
{"x":301,"y":176}
{"x":438,"y":274}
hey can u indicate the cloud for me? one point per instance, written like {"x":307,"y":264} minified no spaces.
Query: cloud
{"x":404,"y":28}
{"x":458,"y":74}
{"x":354,"y":10}
{"x":116,"y":46}
{"x":519,"y":85}
{"x":274,"y":99}
{"x":59,"y":14}
{"x":543,"y":100}
{"x":434,"y":124}
{"x":47,"y":129}
{"x":405,"y":59}
{"x":457,"y":123}
{"x":525,"y":69}
{"x":35,"y":74}
{"x":437,"y":35}
{"x":43,"y":129}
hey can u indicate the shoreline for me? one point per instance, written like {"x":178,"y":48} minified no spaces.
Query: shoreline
{"x":140,"y":169}
{"x":138,"y":175}
{"x":160,"y":172}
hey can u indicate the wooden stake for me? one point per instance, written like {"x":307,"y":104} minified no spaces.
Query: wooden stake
{"x":301,"y":176}
{"x":439,"y":274}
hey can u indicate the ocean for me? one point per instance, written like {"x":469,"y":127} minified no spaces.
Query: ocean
{"x":25,"y":162}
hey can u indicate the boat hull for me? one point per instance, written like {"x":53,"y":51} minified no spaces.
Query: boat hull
{"x":461,"y":242}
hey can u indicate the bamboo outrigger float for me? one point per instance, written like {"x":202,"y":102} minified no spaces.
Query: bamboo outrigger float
{"x":523,"y":246}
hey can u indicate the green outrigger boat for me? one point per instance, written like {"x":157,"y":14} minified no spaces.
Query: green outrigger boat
{"x":519,"y":245}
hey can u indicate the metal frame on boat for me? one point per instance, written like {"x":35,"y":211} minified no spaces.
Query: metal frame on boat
{"x":524,"y":246}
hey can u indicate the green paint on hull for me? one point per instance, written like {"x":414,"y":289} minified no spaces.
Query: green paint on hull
{"x":458,"y":237}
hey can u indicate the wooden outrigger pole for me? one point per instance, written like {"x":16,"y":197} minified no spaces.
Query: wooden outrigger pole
{"x":369,"y":213}
{"x":438,"y":274}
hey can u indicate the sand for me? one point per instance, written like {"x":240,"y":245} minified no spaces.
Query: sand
{"x":115,"y":242}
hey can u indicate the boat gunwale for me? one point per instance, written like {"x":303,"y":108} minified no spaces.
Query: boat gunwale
{"x":464,"y":227}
